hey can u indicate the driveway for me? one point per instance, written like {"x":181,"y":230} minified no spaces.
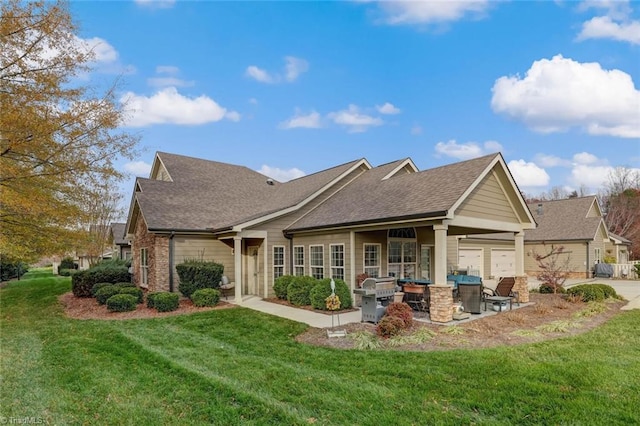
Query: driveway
{"x":629,"y":289}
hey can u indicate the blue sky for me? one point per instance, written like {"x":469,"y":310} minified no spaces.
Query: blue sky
{"x":291,"y":88}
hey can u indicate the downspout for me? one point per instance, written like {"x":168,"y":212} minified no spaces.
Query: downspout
{"x":171,"y":249}
{"x":588,"y":261}
{"x":289,"y":237}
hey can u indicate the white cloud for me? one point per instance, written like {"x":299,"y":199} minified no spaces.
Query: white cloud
{"x":138,"y":168}
{"x":545,"y":160}
{"x":169,"y":106}
{"x":292,"y":69}
{"x":605,"y":27}
{"x":259,"y":74}
{"x":281,"y":175}
{"x":354,"y":120}
{"x":558,"y":94}
{"x":388,"y":108}
{"x":430,"y":12}
{"x":308,"y":121}
{"x":585,"y":158}
{"x":466,"y":151}
{"x":528,"y":174}
{"x":589,"y":175}
{"x":159,"y":4}
{"x":169,"y":79}
{"x":103,"y":52}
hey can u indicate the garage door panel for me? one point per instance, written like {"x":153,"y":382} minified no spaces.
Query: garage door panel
{"x":470,"y":259}
{"x":503,"y":263}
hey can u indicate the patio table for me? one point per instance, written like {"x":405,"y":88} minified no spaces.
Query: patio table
{"x":498,"y":299}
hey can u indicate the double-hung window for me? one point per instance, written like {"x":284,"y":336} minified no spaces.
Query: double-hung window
{"x":402,"y":257}
{"x":144,"y":267}
{"x":337,"y":261}
{"x":316,"y":261}
{"x":372,"y":260}
{"x":278,"y":261}
{"x":298,"y":261}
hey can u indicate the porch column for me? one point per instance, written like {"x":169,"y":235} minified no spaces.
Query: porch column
{"x":440,"y":267}
{"x":519,"y":239}
{"x":237,"y":265}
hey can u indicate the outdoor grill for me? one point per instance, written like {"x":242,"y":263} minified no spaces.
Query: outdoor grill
{"x":376,"y":294}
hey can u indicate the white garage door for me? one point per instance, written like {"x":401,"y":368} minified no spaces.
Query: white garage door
{"x":503,"y":263}
{"x":470,"y":259}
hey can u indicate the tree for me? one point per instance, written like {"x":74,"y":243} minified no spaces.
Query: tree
{"x":554,"y":267}
{"x":621,"y":204}
{"x":58,"y":136}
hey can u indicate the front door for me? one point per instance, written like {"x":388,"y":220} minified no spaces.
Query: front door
{"x":252,"y":270}
{"x":425,"y":262}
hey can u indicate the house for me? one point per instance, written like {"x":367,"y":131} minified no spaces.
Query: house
{"x":120,"y":246}
{"x":617,"y":249}
{"x":575,"y":224}
{"x":386,"y":220}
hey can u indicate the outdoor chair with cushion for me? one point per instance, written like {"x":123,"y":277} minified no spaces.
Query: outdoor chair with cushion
{"x":226,"y":287}
{"x":503,"y":289}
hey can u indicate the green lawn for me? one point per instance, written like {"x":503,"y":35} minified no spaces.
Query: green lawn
{"x":236,"y":366}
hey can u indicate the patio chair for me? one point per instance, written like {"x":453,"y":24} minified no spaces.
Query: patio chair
{"x":503,"y":289}
{"x":226,"y":287}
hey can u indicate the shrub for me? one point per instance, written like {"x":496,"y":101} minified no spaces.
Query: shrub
{"x":389,"y":326}
{"x":106,"y":272}
{"x":121,"y":303}
{"x":134,"y":291}
{"x":401,"y":310}
{"x":150,"y":299}
{"x":299,"y":290}
{"x":547,"y":289}
{"x":608,"y":291}
{"x":11,"y":268}
{"x":205,"y":297}
{"x":281,"y":284}
{"x":322,"y":289}
{"x":66,"y":272}
{"x":587,"y":292}
{"x":67,"y":263}
{"x":103,"y":293}
{"x":97,"y":287}
{"x":125,"y":285}
{"x":197,"y":274}
{"x":166,"y":302}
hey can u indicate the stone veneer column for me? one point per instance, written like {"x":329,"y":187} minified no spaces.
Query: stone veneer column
{"x":522,"y":287}
{"x":441,"y":305}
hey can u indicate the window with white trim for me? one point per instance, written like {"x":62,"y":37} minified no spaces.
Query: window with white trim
{"x":144,"y":267}
{"x":298,"y":260}
{"x":278,"y":261}
{"x":402,"y":255}
{"x":316,"y":261}
{"x":372,"y":259}
{"x":598,"y":256}
{"x":337,"y":261}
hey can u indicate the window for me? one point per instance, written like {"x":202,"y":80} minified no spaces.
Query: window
{"x":598,"y":256}
{"x":372,"y":260}
{"x":298,"y":261}
{"x":144,"y":267}
{"x":402,"y":256}
{"x":278,"y":261}
{"x":337,"y":261}
{"x":316,"y":261}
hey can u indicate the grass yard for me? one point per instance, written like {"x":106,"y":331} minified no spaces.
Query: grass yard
{"x":236,"y":366}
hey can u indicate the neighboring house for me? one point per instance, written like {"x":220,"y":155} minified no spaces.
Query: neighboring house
{"x":121,"y":247}
{"x":576,"y":224}
{"x":617,"y":248}
{"x":387,"y":220}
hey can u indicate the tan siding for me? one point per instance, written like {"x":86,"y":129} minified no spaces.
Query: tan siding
{"x":161,"y":173}
{"x":488,"y":201}
{"x":577,"y":252}
{"x":452,"y":252}
{"x":594,"y":211}
{"x":203,"y":248}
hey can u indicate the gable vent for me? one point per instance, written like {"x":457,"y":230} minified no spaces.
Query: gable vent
{"x":270,"y":182}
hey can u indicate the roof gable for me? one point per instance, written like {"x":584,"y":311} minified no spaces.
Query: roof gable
{"x":568,"y":219}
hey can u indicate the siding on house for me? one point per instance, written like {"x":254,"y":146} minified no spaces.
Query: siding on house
{"x":575,"y":251}
{"x":488,"y":201}
{"x":203,"y":248}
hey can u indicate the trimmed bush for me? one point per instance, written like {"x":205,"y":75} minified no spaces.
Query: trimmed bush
{"x":106,"y":272}
{"x":197,"y":274}
{"x":97,"y":287}
{"x":134,"y":291}
{"x":587,"y":292}
{"x":608,"y":291}
{"x":299,"y":290}
{"x":66,"y":272}
{"x":151,"y":297}
{"x":104,"y":293}
{"x":121,"y":303}
{"x":281,"y":284}
{"x":401,"y":310}
{"x":389,"y":326}
{"x":322,"y":289}
{"x":547,"y":289}
{"x":67,"y":263}
{"x":166,"y":302}
{"x":125,"y":285}
{"x":205,"y":297}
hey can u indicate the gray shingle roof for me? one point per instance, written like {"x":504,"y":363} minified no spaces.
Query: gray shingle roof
{"x":422,"y":194}
{"x":118,"y":231}
{"x":207,"y":194}
{"x":563,"y":220}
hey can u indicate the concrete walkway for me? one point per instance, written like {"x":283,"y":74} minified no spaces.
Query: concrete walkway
{"x":629,"y":289}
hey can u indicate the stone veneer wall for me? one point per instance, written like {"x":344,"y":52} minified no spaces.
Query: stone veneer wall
{"x":441,"y":305}
{"x":522,"y":287}
{"x":158,"y":252}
